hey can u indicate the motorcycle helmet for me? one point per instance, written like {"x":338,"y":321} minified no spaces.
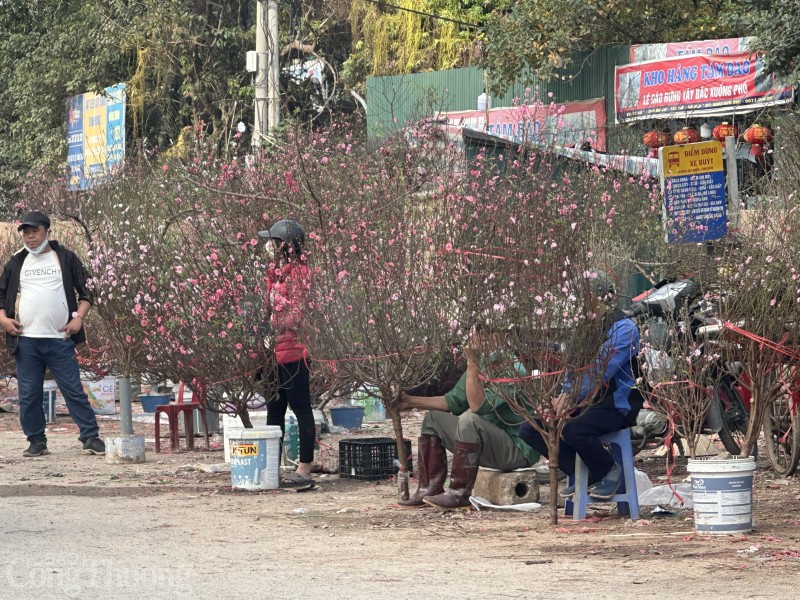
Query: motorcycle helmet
{"x":600,"y":283}
{"x":289,"y":232}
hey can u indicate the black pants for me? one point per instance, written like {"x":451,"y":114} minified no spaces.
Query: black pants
{"x":294,"y":391}
{"x":581,"y":436}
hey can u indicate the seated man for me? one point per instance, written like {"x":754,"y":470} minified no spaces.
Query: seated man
{"x":616,"y":402}
{"x":476,"y":424}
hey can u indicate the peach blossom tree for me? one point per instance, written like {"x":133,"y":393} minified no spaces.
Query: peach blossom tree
{"x":382,"y":223}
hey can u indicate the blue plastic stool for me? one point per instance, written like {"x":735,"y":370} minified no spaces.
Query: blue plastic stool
{"x":626,"y":498}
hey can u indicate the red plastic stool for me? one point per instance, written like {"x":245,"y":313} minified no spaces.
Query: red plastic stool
{"x":173,"y":410}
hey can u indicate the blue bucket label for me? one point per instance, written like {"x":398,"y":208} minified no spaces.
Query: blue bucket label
{"x":722,"y":484}
{"x":248,"y":462}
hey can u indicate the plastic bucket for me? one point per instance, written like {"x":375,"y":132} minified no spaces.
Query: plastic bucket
{"x":722,"y":492}
{"x":349,"y":417}
{"x":149,"y":403}
{"x":256,"y":458}
{"x":233,"y":422}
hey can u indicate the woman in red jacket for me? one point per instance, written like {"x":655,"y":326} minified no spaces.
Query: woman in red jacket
{"x":287,"y":293}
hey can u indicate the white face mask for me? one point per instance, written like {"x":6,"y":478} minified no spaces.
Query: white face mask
{"x":39,"y":249}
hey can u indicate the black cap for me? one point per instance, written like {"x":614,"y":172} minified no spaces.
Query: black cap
{"x":35,"y":218}
{"x":288,"y":231}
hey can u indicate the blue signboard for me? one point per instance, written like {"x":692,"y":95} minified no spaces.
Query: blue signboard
{"x":693,"y":182}
{"x":95,"y":136}
{"x":75,"y":180}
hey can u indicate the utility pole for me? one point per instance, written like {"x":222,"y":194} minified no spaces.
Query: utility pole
{"x":261,"y":76}
{"x":733,"y":181}
{"x":274,"y":65}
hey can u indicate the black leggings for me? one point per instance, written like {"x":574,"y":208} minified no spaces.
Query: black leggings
{"x":294,"y":391}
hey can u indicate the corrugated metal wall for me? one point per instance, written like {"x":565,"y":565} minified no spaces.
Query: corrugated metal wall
{"x":396,"y":100}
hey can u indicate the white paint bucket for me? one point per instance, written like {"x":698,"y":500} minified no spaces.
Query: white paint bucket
{"x":233,"y":422}
{"x":256,"y":458}
{"x":722,"y":492}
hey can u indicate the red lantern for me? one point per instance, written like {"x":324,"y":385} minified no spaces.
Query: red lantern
{"x":655,"y":139}
{"x":687,"y":135}
{"x":757,"y":134}
{"x":724,"y":130}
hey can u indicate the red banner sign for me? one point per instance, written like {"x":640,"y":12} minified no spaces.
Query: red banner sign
{"x":642,"y":52}
{"x":571,"y":124}
{"x":695,"y":86}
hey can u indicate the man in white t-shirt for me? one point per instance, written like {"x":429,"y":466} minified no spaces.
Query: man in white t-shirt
{"x":43,"y":303}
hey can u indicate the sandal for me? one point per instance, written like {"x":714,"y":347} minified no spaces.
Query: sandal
{"x":294,"y":478}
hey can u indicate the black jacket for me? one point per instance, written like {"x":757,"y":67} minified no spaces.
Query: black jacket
{"x":73,"y":274}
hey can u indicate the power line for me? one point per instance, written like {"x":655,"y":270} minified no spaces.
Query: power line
{"x":424,"y":14}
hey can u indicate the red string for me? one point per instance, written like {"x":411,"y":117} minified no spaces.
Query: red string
{"x":334,"y":361}
{"x":668,"y":445}
{"x":671,"y":427}
{"x":763,"y":342}
{"x":483,"y":377}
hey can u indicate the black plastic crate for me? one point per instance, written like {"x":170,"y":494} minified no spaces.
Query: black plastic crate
{"x":370,"y":459}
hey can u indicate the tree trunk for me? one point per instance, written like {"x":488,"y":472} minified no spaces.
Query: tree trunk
{"x":244,"y":415}
{"x":758,"y":402}
{"x":692,"y":441}
{"x":402,"y":458}
{"x":553,"y":443}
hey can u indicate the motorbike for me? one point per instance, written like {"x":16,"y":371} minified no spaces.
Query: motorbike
{"x":678,"y":304}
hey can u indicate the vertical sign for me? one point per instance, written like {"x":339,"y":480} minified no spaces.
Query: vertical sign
{"x":75,"y":180}
{"x":95,"y":136}
{"x":693,"y":183}
{"x":115,"y":126}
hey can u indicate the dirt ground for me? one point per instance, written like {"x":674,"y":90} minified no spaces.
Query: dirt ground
{"x":72,"y":526}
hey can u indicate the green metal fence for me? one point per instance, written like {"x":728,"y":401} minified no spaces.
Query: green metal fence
{"x":395,"y":100}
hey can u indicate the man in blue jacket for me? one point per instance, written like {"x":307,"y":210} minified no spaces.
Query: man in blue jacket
{"x":616,"y":402}
{"x":43,"y":303}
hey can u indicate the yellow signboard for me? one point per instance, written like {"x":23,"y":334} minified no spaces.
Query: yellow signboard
{"x":692,"y":159}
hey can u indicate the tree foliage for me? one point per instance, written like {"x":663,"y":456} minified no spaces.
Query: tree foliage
{"x":776,"y":26}
{"x":393,"y":41}
{"x":183,"y":62}
{"x":48,"y":51}
{"x":542,"y":35}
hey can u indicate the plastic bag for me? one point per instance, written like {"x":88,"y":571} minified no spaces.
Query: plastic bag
{"x":662,"y":495}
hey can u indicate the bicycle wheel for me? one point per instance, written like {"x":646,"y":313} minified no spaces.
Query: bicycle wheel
{"x":735,"y":418}
{"x":782,"y":435}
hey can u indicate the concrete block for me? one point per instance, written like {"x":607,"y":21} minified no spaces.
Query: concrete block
{"x":505,"y":489}
{"x":125,"y":449}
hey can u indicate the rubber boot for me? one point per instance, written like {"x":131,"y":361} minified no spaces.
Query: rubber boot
{"x":466,"y":459}
{"x":431,"y":470}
